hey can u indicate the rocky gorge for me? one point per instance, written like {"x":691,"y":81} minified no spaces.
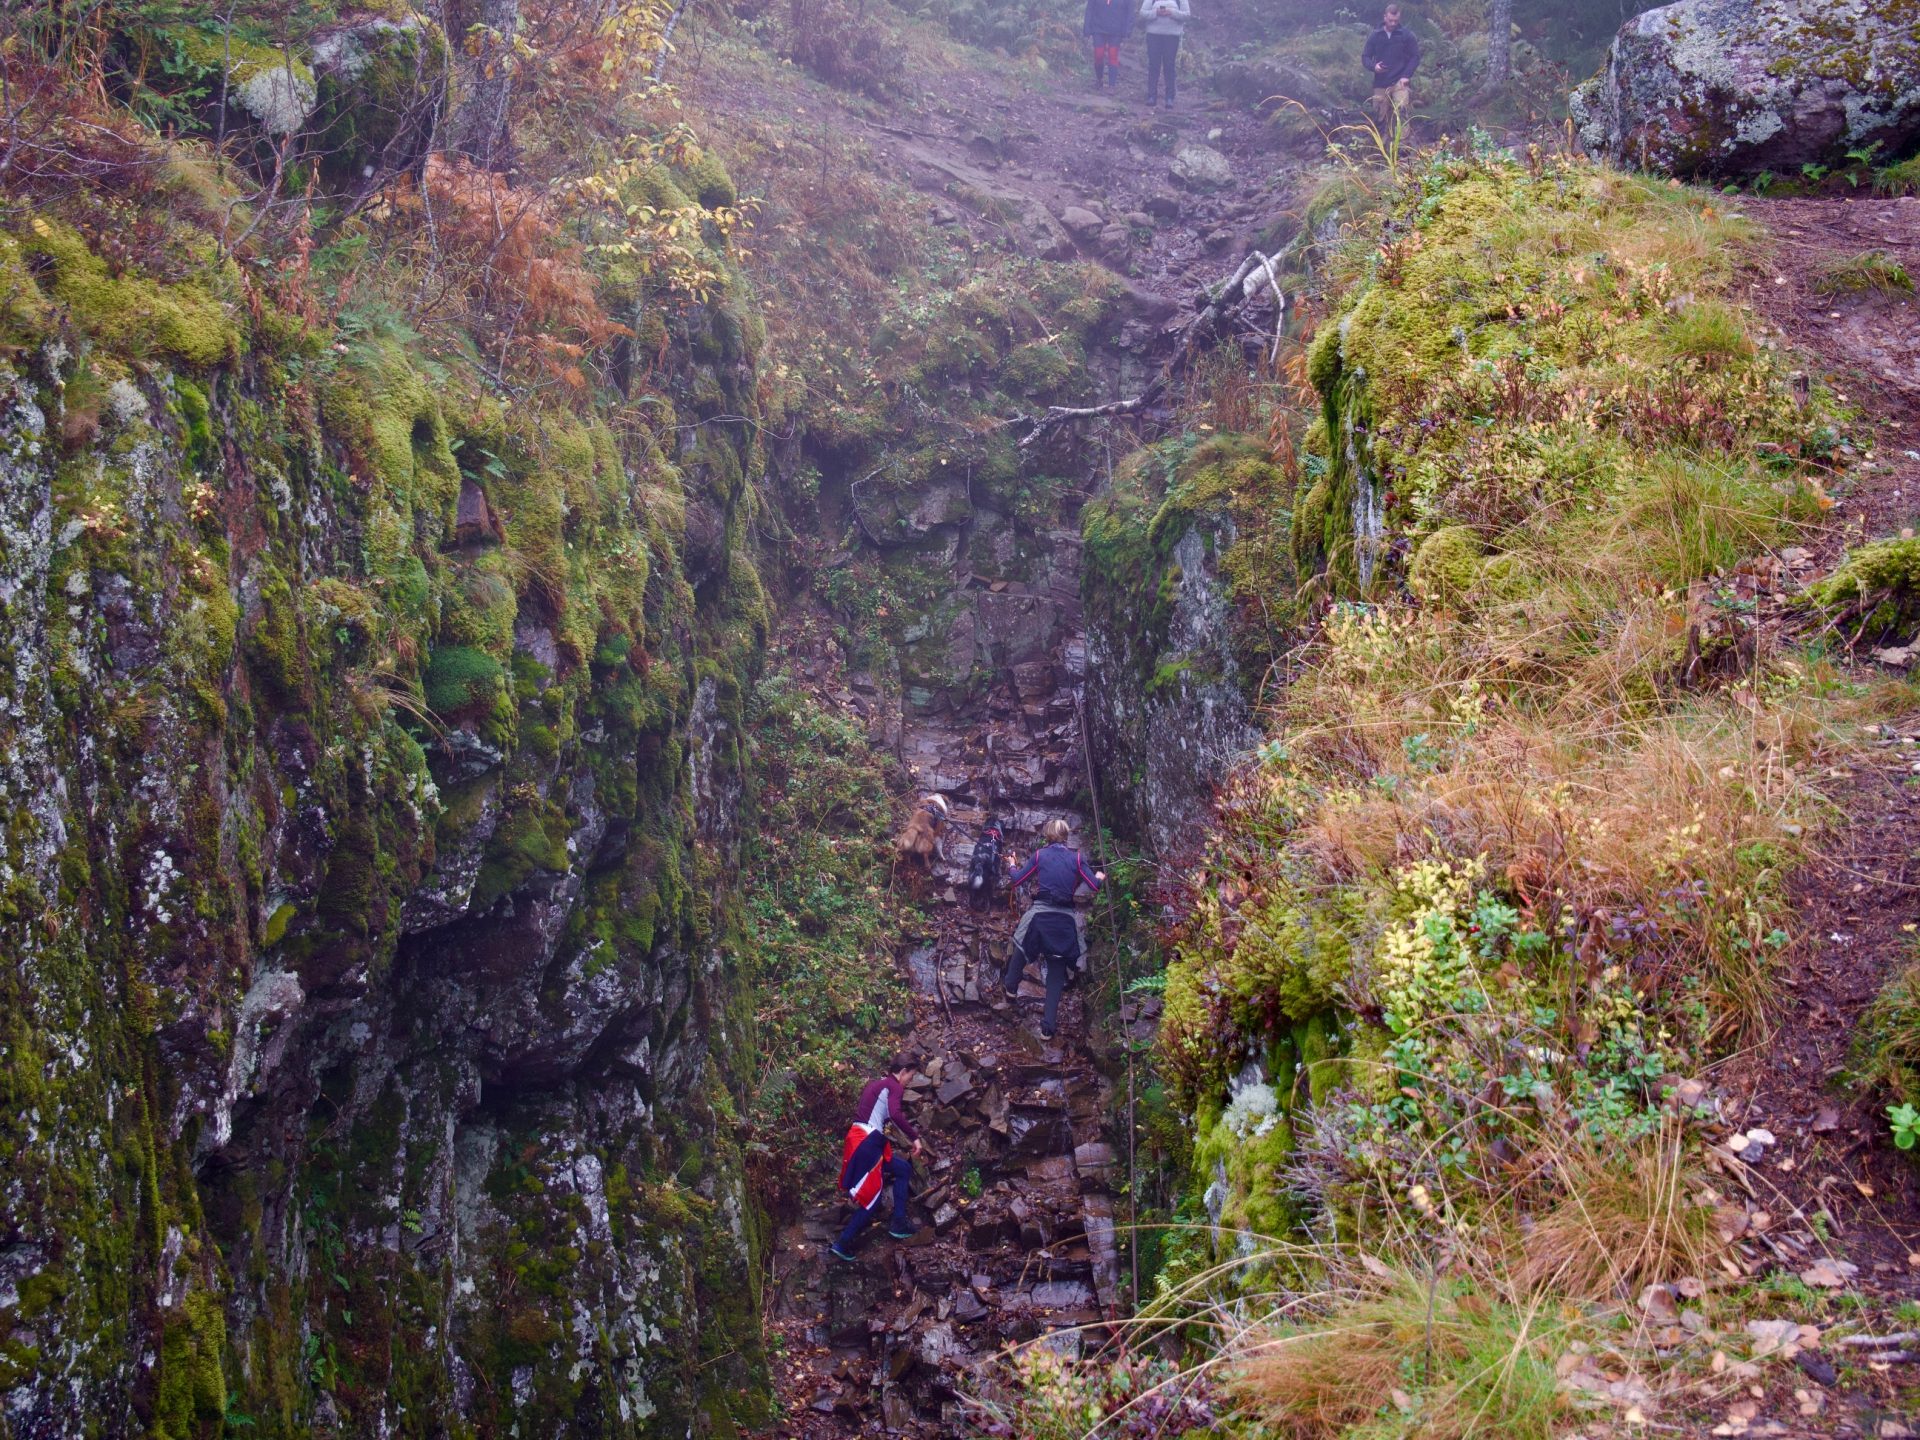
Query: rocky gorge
{"x":492,"y":540}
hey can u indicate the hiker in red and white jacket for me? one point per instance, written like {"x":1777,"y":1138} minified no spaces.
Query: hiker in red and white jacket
{"x":868,"y":1165}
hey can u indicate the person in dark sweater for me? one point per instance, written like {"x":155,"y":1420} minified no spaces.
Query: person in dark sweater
{"x":868,"y":1166}
{"x":1390,"y":57}
{"x":1050,"y":927}
{"x":1107,"y":26}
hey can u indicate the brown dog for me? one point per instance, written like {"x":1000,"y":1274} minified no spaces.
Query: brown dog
{"x":921,"y":839}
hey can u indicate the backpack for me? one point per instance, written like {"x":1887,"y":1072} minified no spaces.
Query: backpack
{"x":863,"y":1162}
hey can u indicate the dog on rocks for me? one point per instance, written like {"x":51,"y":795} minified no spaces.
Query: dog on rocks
{"x":983,"y":871}
{"x":920,"y":840}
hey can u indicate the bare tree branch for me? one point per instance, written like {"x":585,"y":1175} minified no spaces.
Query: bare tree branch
{"x":1241,"y":287}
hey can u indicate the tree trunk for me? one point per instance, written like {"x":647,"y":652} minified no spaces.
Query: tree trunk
{"x":480,"y":129}
{"x":1499,"y":45}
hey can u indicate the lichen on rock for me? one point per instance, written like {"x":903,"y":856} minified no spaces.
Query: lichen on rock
{"x":1728,"y":88}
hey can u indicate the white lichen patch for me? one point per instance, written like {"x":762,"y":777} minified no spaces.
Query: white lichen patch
{"x":1253,"y":1111}
{"x":280,"y":98}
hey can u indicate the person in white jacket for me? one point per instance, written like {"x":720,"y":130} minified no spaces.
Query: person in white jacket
{"x":1165,"y":20}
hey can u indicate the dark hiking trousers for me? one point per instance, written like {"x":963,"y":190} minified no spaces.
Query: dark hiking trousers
{"x":899,"y":1173}
{"x":1055,"y":935}
{"x":1162,"y":50}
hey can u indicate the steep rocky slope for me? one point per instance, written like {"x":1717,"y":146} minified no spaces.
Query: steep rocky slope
{"x":367,"y":1052}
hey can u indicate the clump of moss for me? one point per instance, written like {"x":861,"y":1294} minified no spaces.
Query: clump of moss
{"x":1446,"y":565}
{"x":276,"y":649}
{"x":1876,"y":588}
{"x":712,"y":186}
{"x":1886,"y":1046}
{"x":130,"y":314}
{"x":1042,"y":369}
{"x":387,"y":412}
{"x":460,"y":679}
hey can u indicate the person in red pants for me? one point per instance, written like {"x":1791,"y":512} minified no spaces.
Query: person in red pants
{"x":1106,"y":27}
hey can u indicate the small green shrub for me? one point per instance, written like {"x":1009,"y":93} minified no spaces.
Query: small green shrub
{"x":1905,"y":1122}
{"x":1901,"y":179}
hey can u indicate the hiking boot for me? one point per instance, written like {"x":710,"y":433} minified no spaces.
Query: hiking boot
{"x":837,"y":1253}
{"x":1047,"y":1032}
{"x":1010,"y":994}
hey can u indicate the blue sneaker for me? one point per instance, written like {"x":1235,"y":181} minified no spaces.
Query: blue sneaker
{"x":901,"y":1234}
{"x":837,"y":1253}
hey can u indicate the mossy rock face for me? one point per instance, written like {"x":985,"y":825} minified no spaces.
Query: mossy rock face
{"x":272,"y":86}
{"x":1188,"y":583}
{"x":362,"y":882}
{"x":1705,"y":88}
{"x":379,"y":87}
{"x":127,"y":314}
{"x":1455,"y":380}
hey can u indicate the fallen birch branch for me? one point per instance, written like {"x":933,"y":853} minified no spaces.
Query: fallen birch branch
{"x":1255,"y":276}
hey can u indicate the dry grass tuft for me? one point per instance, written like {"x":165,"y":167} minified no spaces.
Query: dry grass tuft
{"x":1619,"y":1224}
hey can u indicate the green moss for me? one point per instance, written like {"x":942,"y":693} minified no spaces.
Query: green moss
{"x":196,"y":420}
{"x":712,"y":186}
{"x":277,"y":923}
{"x":128,"y":313}
{"x":191,"y":1387}
{"x":1043,"y":369}
{"x":460,"y":679}
{"x":276,"y":649}
{"x":1876,"y":588}
{"x":26,"y":316}
{"x":385,"y":411}
{"x":1447,"y":565}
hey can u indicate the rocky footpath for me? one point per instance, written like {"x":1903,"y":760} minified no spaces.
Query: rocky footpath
{"x":1018,"y":1190}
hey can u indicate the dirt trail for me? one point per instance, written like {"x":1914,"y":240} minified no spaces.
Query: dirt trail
{"x":1170,"y":201}
{"x":1833,"y":1184}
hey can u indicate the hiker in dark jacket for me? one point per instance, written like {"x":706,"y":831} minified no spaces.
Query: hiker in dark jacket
{"x":1166,"y":20}
{"x":1050,"y":927}
{"x":1107,"y":26}
{"x":1391,"y":56}
{"x":868,"y":1166}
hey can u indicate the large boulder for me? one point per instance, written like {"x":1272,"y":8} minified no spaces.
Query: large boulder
{"x":1734,"y":87}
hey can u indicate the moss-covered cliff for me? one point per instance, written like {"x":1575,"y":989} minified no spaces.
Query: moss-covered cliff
{"x":1188,"y":584}
{"x":1498,"y":867}
{"x":371,"y":750}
